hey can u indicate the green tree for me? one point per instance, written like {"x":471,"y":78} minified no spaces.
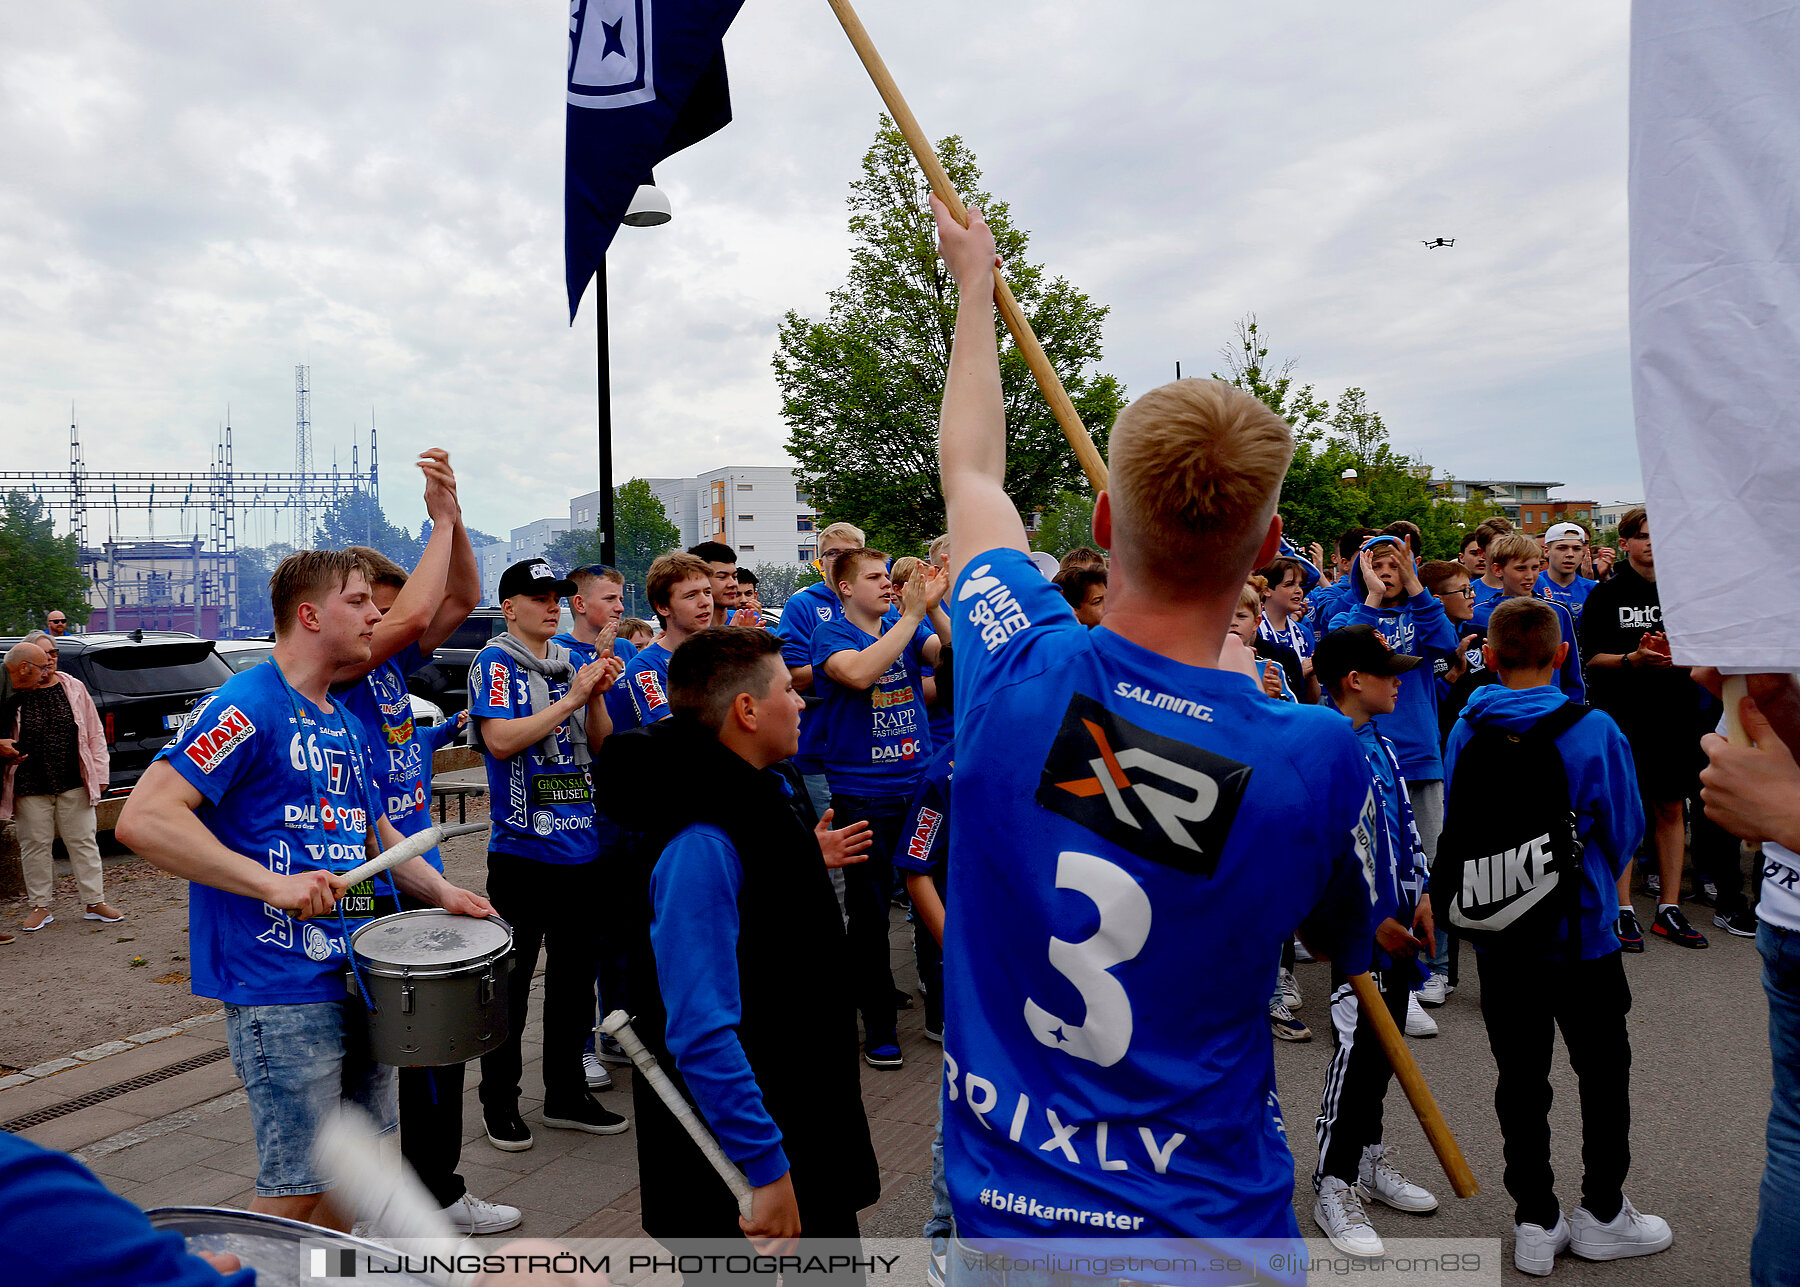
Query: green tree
{"x":356,"y":518}
{"x":1345,"y":472}
{"x":777,"y":582}
{"x":1067,"y":524}
{"x":43,"y":570}
{"x":641,"y":532}
{"x":861,"y":389}
{"x":255,"y":566}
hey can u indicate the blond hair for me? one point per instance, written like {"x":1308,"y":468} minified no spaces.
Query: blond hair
{"x":1255,"y":590}
{"x":939,"y":550}
{"x":1512,"y":547}
{"x":843,"y":568}
{"x":903,"y":568}
{"x":1196,"y":470}
{"x":842,"y":532}
{"x":307,"y":573}
{"x":380,"y":569}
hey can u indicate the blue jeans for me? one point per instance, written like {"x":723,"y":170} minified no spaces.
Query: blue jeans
{"x":297,"y":1062}
{"x":1775,"y":1250}
{"x":938,"y":1226}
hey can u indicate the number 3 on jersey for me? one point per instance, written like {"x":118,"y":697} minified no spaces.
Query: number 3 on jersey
{"x":1105,"y":1035}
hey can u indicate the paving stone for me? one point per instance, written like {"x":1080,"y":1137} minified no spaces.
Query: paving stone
{"x":80,"y":1078}
{"x":150,"y":1034}
{"x":155,"y":1160}
{"x":195,"y":1185}
{"x":234,"y":1125}
{"x":610,"y":1222}
{"x":102,"y":1050}
{"x":200,"y":1020}
{"x":13,"y":1079}
{"x":572,"y":1186}
{"x":183,"y":1091}
{"x":52,"y":1066}
{"x":78,"y":1130}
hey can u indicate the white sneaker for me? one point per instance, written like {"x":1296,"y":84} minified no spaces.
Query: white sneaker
{"x":1339,"y":1212}
{"x":1288,"y":989}
{"x":1380,"y":1179}
{"x":1536,"y":1248}
{"x":1630,"y":1233}
{"x":1436,"y":990}
{"x":1418,"y":1023}
{"x":597,"y":1076}
{"x":1301,"y":955}
{"x":471,"y":1215}
{"x":1283,"y":1025}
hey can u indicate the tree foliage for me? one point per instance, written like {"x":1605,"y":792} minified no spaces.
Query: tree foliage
{"x":1317,"y":501}
{"x":861,"y":388}
{"x":42,"y":569}
{"x":776,"y":582}
{"x":255,"y":566}
{"x":641,"y":532}
{"x":1067,"y":524}
{"x":356,"y":518}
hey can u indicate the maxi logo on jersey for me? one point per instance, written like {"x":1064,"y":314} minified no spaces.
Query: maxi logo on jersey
{"x":924,"y":832}
{"x":649,"y":686}
{"x":496,"y":695}
{"x":1158,"y":798}
{"x":209,"y":749}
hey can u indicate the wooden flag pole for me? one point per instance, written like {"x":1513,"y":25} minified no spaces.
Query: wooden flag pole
{"x":1035,"y":357}
{"x":1418,"y":1094}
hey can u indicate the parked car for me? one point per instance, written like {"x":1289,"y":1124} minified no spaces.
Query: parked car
{"x":241,"y":654}
{"x":144,"y":683}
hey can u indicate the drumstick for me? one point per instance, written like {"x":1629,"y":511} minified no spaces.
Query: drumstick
{"x":369,"y":1187}
{"x":1443,"y":1143}
{"x":409,"y":848}
{"x":1733,"y":689}
{"x":617,"y":1025}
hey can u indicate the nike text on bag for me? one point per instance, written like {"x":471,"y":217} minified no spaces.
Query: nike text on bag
{"x":1511,"y":878}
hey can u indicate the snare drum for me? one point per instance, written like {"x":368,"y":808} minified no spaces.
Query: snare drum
{"x":284,"y":1253}
{"x":438,"y":984}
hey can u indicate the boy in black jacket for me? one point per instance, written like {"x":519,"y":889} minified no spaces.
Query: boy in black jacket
{"x":738,"y":971}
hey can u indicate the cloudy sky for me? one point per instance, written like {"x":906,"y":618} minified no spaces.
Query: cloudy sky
{"x":194,"y":198}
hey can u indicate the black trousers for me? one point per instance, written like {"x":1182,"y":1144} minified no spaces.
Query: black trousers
{"x":554,"y":906}
{"x":431,"y":1128}
{"x":1716,"y":856}
{"x":868,"y":886}
{"x":1523,"y":1003}
{"x":1356,"y":1083}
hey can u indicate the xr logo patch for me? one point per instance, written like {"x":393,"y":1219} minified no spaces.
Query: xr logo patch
{"x":1161,"y":799}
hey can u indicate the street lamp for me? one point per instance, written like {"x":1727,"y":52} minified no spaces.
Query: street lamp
{"x":649,"y":208}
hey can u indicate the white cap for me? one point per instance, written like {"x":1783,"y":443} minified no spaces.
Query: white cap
{"x":1565,"y":532}
{"x":1047,"y":563}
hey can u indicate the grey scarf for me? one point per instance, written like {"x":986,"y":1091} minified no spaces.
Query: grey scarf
{"x":538,"y":672}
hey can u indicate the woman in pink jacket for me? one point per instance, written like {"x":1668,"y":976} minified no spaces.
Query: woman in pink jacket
{"x":60,"y":775}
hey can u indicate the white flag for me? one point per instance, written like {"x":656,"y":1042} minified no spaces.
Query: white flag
{"x":1715,"y":321}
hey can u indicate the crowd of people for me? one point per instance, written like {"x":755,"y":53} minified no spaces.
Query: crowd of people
{"x":1063,"y":778}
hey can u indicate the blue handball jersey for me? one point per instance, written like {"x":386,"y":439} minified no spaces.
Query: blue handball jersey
{"x":541,"y":805}
{"x":290,"y":786}
{"x":1573,"y":596}
{"x":583,"y":654}
{"x":381,"y":703}
{"x":874,"y":741}
{"x":1297,"y":635}
{"x":641,"y":697}
{"x":1134,"y":840}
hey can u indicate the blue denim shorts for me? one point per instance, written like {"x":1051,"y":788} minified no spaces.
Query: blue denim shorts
{"x":296,"y":1062}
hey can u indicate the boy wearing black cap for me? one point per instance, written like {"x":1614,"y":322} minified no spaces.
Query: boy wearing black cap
{"x":1363,"y":676}
{"x":532,"y":716}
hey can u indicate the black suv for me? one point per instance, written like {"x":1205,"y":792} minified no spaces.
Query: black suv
{"x":445,"y":678}
{"x":144,"y":684}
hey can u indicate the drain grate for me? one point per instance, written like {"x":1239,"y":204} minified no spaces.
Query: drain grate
{"x":54,"y":1111}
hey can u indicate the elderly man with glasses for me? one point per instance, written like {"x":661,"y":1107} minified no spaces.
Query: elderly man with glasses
{"x":60,"y":772}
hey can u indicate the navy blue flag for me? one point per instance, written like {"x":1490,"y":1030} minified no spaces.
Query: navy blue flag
{"x":646,"y":79}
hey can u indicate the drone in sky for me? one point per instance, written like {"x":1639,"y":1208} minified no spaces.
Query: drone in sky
{"x":1440,"y":241}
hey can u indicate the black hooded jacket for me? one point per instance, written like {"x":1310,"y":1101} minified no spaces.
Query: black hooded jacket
{"x":798,"y":1027}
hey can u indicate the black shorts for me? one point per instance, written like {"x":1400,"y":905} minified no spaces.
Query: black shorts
{"x":1668,"y":760}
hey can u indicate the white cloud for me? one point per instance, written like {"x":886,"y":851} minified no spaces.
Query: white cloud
{"x":196,"y":198}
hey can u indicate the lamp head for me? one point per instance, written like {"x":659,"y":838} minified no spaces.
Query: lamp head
{"x":649,"y":207}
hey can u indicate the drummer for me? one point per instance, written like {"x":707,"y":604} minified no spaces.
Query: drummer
{"x":265,"y":797}
{"x":417,"y":615}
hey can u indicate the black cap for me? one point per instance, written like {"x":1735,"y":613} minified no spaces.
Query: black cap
{"x":1358,"y":648}
{"x":533,"y":576}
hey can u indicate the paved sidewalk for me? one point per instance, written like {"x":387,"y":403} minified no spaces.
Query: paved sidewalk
{"x":185,"y":1140}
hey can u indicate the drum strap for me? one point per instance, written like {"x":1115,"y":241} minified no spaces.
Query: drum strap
{"x":355,"y":969}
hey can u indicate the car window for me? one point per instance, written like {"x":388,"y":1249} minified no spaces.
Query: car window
{"x":142,"y":669}
{"x":244,"y":658}
{"x":474,"y":633}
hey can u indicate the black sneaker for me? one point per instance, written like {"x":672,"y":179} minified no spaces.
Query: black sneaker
{"x":506,"y":1130}
{"x":1737,"y":924}
{"x":1631,"y":934}
{"x":585,"y":1114}
{"x":1672,"y":925}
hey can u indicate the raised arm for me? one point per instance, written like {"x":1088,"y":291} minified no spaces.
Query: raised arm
{"x":972,"y":424}
{"x":462,"y":589}
{"x":418,"y":601}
